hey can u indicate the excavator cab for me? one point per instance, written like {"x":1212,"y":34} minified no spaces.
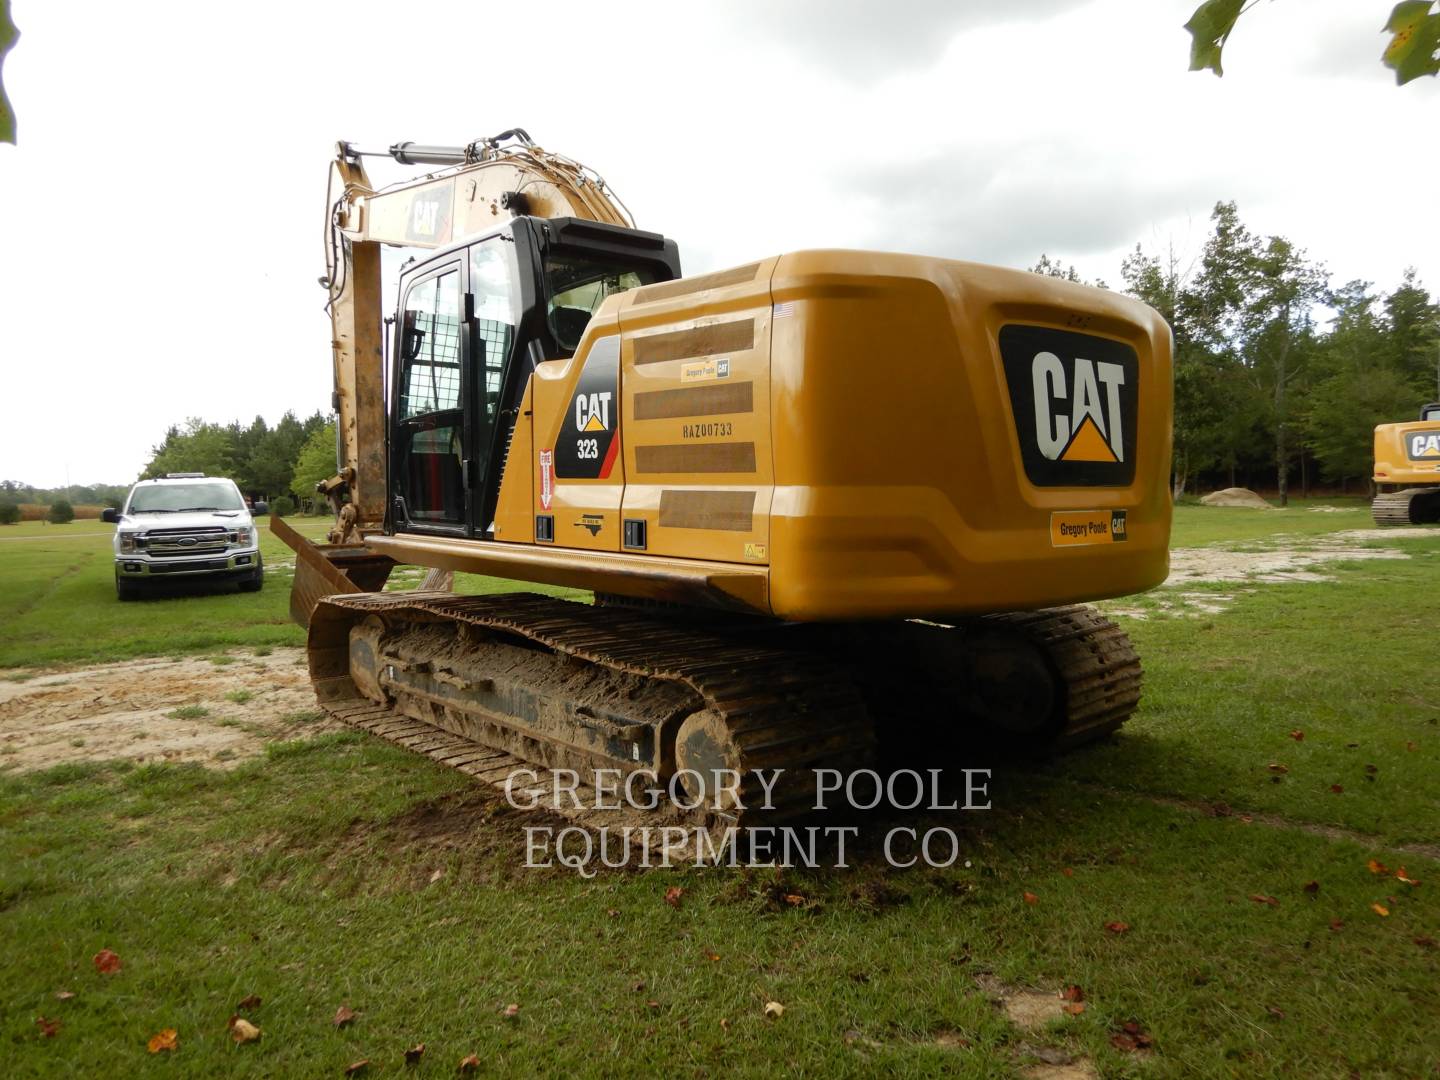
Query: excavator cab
{"x":474,"y":319}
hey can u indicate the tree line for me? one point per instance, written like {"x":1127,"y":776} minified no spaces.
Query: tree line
{"x":1281,"y":376}
{"x":266,"y":462}
{"x":280,"y":464}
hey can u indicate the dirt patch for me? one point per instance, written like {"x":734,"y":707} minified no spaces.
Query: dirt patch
{"x":1028,"y":1009}
{"x":1272,"y":561}
{"x":157,"y":710}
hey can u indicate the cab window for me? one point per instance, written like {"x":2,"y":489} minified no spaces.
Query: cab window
{"x":575,"y":289}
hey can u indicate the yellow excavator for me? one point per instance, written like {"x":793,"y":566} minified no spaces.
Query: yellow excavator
{"x":831,"y":504}
{"x":1407,"y":471}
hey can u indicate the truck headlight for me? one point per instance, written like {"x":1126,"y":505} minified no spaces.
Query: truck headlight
{"x":244,"y":537}
{"x":127,"y":541}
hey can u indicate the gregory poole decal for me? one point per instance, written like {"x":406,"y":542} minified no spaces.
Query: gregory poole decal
{"x":1073,"y":398}
{"x":1071,"y":527}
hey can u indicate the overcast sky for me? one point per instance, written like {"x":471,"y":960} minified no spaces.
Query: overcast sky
{"x":161,"y":218}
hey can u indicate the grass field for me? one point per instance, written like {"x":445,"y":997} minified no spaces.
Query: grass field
{"x":339,"y":870}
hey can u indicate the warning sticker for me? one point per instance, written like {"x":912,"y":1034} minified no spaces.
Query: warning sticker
{"x":1072,"y":527}
{"x":547,"y":478}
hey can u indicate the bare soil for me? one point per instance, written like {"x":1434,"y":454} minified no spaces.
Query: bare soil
{"x":128,"y":711}
{"x":1272,"y":561}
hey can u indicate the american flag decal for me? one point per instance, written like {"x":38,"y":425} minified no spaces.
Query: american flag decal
{"x":784,"y":310}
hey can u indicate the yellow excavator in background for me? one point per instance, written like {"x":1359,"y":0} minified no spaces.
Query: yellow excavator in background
{"x":832,"y":504}
{"x":1407,"y":471}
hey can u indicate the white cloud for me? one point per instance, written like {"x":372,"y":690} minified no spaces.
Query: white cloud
{"x":161,"y":226}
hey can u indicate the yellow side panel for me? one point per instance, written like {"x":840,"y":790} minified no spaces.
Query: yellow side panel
{"x":579,"y":468}
{"x":1408,"y":453}
{"x":515,"y":508}
{"x":696,"y":412}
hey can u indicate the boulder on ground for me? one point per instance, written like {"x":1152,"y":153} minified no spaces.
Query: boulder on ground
{"x":1236,"y":497}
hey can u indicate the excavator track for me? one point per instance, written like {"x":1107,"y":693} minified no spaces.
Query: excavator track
{"x":494,"y":685}
{"x":1096,"y":669}
{"x":1409,"y":506}
{"x":530,"y":685}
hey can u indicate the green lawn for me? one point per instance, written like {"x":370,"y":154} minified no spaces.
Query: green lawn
{"x":57,"y":592}
{"x":309,"y":877}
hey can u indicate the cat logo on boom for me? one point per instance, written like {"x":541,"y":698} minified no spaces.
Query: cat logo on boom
{"x":1073,"y":398}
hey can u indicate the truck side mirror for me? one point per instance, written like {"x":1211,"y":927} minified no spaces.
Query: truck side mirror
{"x":110,"y":515}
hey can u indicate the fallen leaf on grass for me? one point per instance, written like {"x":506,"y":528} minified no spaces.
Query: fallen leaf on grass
{"x":1118,"y":927}
{"x":357,"y":1067}
{"x":712,"y":956}
{"x":673,"y":895}
{"x":1336,"y":924}
{"x":64,"y":995}
{"x":1031,"y":898}
{"x":1261,"y":898}
{"x":774,"y":1010}
{"x":1072,"y":993}
{"x":1337,"y":789}
{"x":163,"y":1040}
{"x":106,"y":962}
{"x":1401,"y":877}
{"x":1427,"y":943}
{"x":794,"y":899}
{"x":1381,"y":910}
{"x":1411,"y":747}
{"x":1276,"y":767}
{"x":413,"y":1055}
{"x":1130,"y":1038}
{"x":469,"y":1063}
{"x":1068,"y":872}
{"x":1074,"y":1008}
{"x":251,"y":1001}
{"x":724,"y":1024}
{"x":1312,"y":887}
{"x":48,"y":1028}
{"x":1279,"y":1014}
{"x":242,"y":1030}
{"x":1372,"y":769}
{"x":1297,"y":735}
{"x":343,"y":1015}
{"x":510,"y":1012}
{"x":1376,"y":867}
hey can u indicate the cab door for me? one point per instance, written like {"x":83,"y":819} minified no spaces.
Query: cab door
{"x":430,"y":443}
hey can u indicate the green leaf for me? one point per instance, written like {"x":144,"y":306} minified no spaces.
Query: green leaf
{"x":1209,"y":27}
{"x":8,"y":36}
{"x":1414,"y":41}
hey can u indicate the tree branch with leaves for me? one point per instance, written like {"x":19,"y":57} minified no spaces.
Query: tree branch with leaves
{"x":1413,"y":49}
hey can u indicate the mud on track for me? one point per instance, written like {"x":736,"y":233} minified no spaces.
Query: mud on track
{"x":127,"y":711}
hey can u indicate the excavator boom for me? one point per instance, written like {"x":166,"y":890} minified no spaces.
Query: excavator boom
{"x":473,"y":188}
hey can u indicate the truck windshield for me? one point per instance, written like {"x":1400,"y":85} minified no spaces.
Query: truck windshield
{"x":171,"y":498}
{"x":577,"y":286}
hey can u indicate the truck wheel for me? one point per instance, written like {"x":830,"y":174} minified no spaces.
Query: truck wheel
{"x":126,"y":589}
{"x":256,"y":581}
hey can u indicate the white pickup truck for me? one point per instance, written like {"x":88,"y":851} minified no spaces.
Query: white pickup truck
{"x":183,"y":527}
